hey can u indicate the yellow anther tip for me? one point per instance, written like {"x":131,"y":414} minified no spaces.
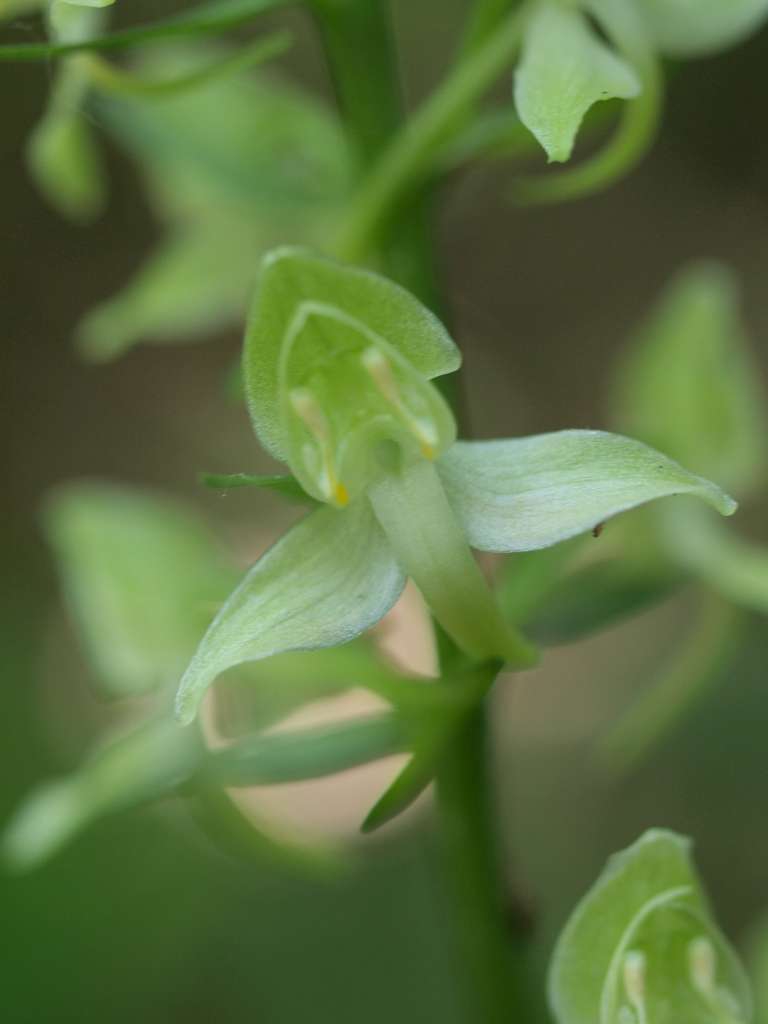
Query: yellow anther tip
{"x":427,"y":451}
{"x":341,"y":496}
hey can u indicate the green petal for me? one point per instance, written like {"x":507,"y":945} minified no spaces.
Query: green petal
{"x":688,"y":384}
{"x":691,"y":28}
{"x":564,"y":70}
{"x":142,"y":578}
{"x":642,"y":946}
{"x":144,"y":764}
{"x":527,"y":493}
{"x":328,"y":579}
{"x":305,"y":306}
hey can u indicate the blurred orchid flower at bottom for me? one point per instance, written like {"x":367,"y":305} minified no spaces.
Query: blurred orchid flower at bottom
{"x":338,"y":366}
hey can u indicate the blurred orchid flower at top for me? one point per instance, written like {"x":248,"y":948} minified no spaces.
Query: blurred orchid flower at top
{"x":567,"y":66}
{"x":338,"y":365}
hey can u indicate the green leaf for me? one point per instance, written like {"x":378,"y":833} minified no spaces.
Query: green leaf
{"x":336,"y":360}
{"x":734,"y":567}
{"x":194,"y":283}
{"x":312,"y":753}
{"x":694,"y":28}
{"x":142,"y":577}
{"x":285,"y":485}
{"x":688,"y":383}
{"x":65,"y":164}
{"x":642,"y":946}
{"x":227,"y":188}
{"x":530,"y":492}
{"x":327,"y":580}
{"x":593,"y":598}
{"x":564,"y":70}
{"x":62,"y":155}
{"x":142,"y":765}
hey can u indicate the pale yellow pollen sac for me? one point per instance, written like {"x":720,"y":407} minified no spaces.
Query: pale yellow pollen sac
{"x":702,"y":966}
{"x":379,"y":369}
{"x":634,"y":983}
{"x":702,"y":969}
{"x":308,"y":409}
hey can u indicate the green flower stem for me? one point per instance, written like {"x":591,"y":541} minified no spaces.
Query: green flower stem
{"x":656,"y":712}
{"x":110,"y":78}
{"x":359,"y":46}
{"x":206,"y":19}
{"x":381,"y":220}
{"x":490,"y":940}
{"x":406,"y":161}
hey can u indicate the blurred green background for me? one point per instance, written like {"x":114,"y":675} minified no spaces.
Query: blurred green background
{"x":146,"y":918}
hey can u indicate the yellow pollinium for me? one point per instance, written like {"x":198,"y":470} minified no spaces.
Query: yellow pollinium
{"x":307,"y":408}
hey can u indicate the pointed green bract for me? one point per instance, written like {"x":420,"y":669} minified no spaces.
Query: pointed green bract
{"x":688,"y":384}
{"x":564,"y":70}
{"x":642,"y":947}
{"x":530,"y":492}
{"x":327,"y":580}
{"x":142,"y":577}
{"x":412,"y":508}
{"x":337,"y":359}
{"x":691,"y":28}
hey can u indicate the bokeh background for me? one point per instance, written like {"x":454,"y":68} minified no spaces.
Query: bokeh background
{"x":144,"y":917}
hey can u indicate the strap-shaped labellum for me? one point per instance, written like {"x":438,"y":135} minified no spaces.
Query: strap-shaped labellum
{"x":642,"y":947}
{"x":527,"y":493}
{"x":564,"y":70}
{"x":327,"y":580}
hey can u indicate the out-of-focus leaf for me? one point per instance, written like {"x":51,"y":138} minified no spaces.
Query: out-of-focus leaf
{"x":142,"y":577}
{"x":62,"y":154}
{"x":311,"y":753}
{"x":195,"y":282}
{"x":326,"y":581}
{"x":527,"y":578}
{"x":593,"y":598}
{"x":142,"y":765}
{"x":693,"y":28}
{"x":683,"y":678}
{"x":642,"y":946}
{"x":564,"y":70}
{"x":531,"y":492}
{"x":232,"y":169}
{"x":736,"y":568}
{"x":757,"y":963}
{"x":64,"y":161}
{"x":688,"y":384}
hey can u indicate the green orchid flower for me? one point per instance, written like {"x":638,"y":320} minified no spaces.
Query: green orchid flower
{"x":577,"y":54}
{"x":338,"y":370}
{"x":643,"y":946}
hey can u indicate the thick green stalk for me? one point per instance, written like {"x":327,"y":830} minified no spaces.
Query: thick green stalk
{"x":405,"y":164}
{"x":388,"y":222}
